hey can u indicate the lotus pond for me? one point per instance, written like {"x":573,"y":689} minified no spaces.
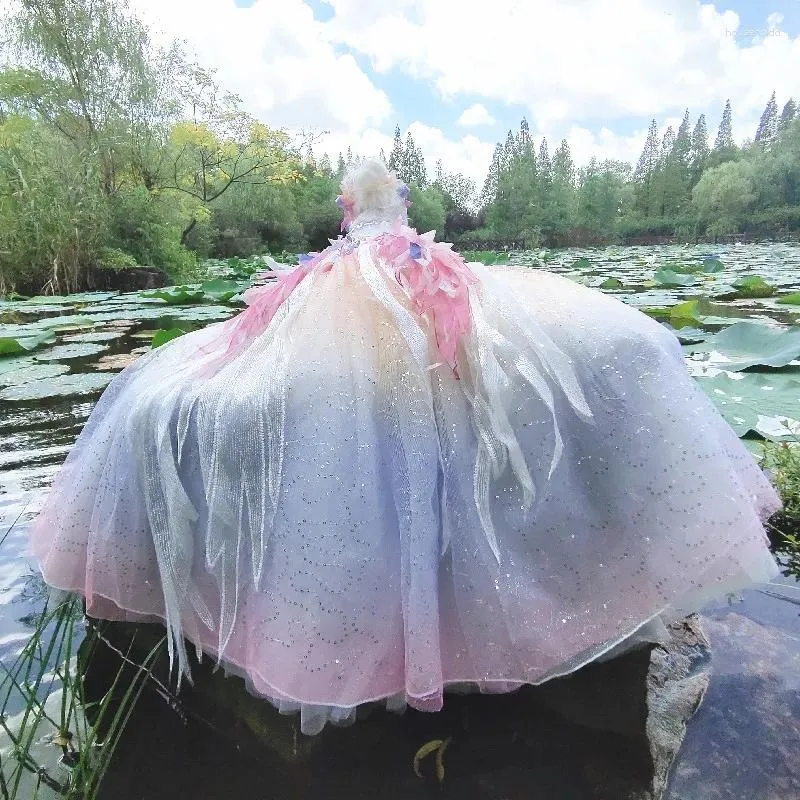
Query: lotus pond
{"x":735,"y":309}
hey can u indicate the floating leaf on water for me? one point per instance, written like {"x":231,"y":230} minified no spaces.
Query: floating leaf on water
{"x":792,"y":299}
{"x":684,"y":269}
{"x":71,"y":299}
{"x":690,"y":335}
{"x":10,"y":346}
{"x":749,"y":344}
{"x":94,"y":336}
{"x":31,"y":372}
{"x":753,"y":286}
{"x":221,"y":290}
{"x":61,"y":321}
{"x":68,"y":351}
{"x":764,"y":403}
{"x":203,"y":313}
{"x":132,"y":314}
{"x":177,"y":295}
{"x":611,"y":283}
{"x":667,"y":277}
{"x":712,"y":264}
{"x":696,"y":312}
{"x":13,"y":363}
{"x":487,"y":257}
{"x":19,"y":307}
{"x":64,"y":385}
{"x":163,"y":336}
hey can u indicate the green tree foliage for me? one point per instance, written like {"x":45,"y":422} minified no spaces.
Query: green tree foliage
{"x":788,"y":114}
{"x":104,"y":115}
{"x":112,"y":144}
{"x":699,"y":150}
{"x":645,"y":172}
{"x":427,"y":212}
{"x":768,"y":124}
{"x":678,"y":185}
{"x":724,"y":196}
{"x":724,"y":140}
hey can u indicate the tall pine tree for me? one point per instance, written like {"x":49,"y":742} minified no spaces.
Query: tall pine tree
{"x":543,"y":162}
{"x":768,"y":124}
{"x":699,"y":150}
{"x":787,"y":115}
{"x":645,"y":171}
{"x":667,"y":143}
{"x":561,"y":212}
{"x":396,"y":154}
{"x":489,"y":192}
{"x":509,"y":151}
{"x":724,"y":140}
{"x":412,"y":169}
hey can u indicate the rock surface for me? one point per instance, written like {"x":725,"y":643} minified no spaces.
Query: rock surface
{"x":744,"y":742}
{"x":607,"y":732}
{"x":130,"y":279}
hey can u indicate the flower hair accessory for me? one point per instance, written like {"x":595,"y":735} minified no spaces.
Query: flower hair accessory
{"x":348,"y":204}
{"x":403,"y":193}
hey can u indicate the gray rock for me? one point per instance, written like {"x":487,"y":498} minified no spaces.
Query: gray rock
{"x":744,"y":742}
{"x":608,"y":732}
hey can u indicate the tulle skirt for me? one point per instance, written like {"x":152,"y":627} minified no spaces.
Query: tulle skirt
{"x":339,"y":518}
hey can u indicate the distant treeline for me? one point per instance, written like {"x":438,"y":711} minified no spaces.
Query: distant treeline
{"x":115,"y":152}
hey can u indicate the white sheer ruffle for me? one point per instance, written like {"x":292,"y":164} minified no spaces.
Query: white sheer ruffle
{"x":337,"y":517}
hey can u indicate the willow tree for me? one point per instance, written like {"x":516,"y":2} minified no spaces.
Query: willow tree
{"x":89,"y":70}
{"x":217,"y":146}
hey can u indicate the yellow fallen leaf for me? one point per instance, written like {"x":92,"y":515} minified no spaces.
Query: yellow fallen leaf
{"x":425,"y":750}
{"x":440,"y":757}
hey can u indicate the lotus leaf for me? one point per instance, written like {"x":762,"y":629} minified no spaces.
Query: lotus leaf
{"x":753,"y":286}
{"x":221,"y":290}
{"x":611,"y":283}
{"x":177,"y":295}
{"x":64,"y":385}
{"x":164,"y":336}
{"x":31,"y":372}
{"x":749,"y":344}
{"x":10,"y":346}
{"x":63,"y":352}
{"x":667,"y":277}
{"x":755,"y":402}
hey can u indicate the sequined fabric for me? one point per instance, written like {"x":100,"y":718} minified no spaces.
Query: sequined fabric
{"x":315,"y":497}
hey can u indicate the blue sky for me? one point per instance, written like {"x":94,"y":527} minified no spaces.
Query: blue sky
{"x":459,"y":76}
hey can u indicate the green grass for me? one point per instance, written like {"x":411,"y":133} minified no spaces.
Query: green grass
{"x":782,"y":463}
{"x":56,"y":715}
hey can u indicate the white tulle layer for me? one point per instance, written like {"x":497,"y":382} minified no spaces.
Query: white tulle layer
{"x":341,"y":521}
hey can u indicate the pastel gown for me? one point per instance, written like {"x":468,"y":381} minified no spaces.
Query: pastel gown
{"x":396,"y":472}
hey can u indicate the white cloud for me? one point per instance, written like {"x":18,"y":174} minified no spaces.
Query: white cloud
{"x":579,"y":61}
{"x":580,"y":69}
{"x":278,"y":58}
{"x":468,"y":155}
{"x":475,"y":115}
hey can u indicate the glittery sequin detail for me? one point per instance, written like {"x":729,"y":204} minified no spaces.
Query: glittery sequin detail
{"x":312,"y":495}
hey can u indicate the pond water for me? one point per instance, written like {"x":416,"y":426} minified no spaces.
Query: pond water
{"x":57,"y":354}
